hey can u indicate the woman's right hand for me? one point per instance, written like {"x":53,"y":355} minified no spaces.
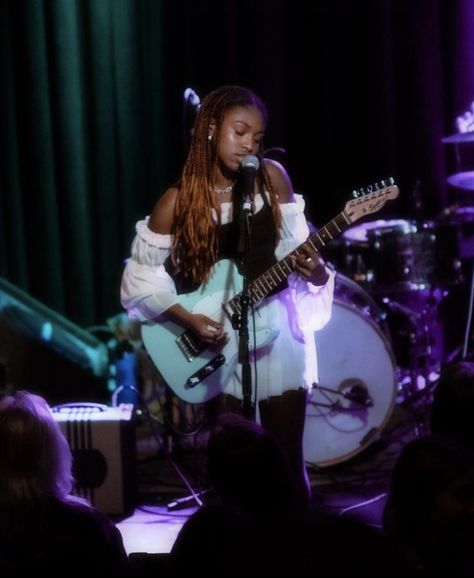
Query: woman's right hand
{"x":207,"y":329}
{"x":204,"y":327}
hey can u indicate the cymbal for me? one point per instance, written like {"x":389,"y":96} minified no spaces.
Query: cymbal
{"x":464,"y":180}
{"x":459,"y":137}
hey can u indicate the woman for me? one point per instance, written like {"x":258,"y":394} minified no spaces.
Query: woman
{"x":41,"y":525}
{"x":197,"y":222}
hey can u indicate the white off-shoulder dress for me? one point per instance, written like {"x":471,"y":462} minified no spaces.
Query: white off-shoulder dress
{"x":290,"y":361}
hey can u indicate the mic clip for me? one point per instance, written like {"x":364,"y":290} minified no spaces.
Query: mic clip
{"x":247,"y":205}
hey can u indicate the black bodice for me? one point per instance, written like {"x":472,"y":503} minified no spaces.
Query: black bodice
{"x":262,"y":248}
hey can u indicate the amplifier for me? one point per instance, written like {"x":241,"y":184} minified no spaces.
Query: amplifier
{"x":102,"y":440}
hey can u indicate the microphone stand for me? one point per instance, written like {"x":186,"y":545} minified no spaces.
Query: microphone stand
{"x":467,"y":332}
{"x":250,"y":165}
{"x":244,"y":358}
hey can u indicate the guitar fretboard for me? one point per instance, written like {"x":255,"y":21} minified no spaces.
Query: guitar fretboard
{"x":268,"y":281}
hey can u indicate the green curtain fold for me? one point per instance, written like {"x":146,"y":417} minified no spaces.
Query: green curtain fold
{"x":74,"y":175}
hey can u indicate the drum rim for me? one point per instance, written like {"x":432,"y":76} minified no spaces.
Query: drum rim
{"x":352,"y":307}
{"x":393,"y":224}
{"x":359,"y":290}
{"x":407,"y":227}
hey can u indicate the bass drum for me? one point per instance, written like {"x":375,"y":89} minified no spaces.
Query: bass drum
{"x":356,"y":393}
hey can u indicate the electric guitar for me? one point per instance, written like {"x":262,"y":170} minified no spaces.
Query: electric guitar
{"x":197,"y":371}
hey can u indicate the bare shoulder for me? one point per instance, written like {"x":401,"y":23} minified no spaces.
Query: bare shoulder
{"x":162,"y":216}
{"x":280,"y":180}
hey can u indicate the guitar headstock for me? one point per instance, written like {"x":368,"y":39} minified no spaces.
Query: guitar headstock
{"x":371,"y":199}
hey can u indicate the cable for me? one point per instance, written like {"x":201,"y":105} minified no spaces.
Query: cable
{"x":362,"y":504}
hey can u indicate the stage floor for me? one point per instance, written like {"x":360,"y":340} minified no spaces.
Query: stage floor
{"x":355,"y":488}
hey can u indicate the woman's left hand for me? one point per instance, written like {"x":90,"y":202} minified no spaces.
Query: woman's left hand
{"x":310,"y":266}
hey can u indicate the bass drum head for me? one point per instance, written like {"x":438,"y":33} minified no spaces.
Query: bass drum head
{"x":356,"y":393}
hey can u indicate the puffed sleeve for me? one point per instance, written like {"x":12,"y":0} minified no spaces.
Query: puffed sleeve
{"x":313,"y":303}
{"x":147,"y":290}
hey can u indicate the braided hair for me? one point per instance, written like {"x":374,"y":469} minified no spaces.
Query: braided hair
{"x":195,"y":232}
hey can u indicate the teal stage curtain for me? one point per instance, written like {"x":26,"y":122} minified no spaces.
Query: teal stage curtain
{"x":80,"y":146}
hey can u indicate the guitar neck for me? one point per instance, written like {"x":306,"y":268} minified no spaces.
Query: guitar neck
{"x":365,"y":202}
{"x":266,"y":283}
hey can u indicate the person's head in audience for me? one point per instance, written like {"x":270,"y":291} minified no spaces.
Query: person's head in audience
{"x":35,"y":458}
{"x":42,"y":526}
{"x":452,"y":409}
{"x":247,"y":468}
{"x":430,"y":503}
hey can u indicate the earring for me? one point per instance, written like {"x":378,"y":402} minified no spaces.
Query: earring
{"x":209,"y":137}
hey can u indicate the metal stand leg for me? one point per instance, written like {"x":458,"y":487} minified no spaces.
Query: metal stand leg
{"x":469,"y":315}
{"x":423,"y":365}
{"x":167,"y":448}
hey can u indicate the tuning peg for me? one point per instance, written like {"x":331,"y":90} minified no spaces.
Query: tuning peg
{"x":355,"y":194}
{"x":391,"y":181}
{"x":369,"y":189}
{"x":382,"y":184}
{"x":361,"y":192}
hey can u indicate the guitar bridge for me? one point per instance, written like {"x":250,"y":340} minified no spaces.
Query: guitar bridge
{"x":190,"y":345}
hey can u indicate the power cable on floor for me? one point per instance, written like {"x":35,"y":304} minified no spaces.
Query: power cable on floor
{"x":362,"y":504}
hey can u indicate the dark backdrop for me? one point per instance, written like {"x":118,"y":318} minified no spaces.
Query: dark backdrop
{"x":91,"y":102}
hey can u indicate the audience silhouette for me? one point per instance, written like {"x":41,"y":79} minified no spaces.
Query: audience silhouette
{"x":259,"y":524}
{"x":430,"y":506}
{"x":247,"y":468}
{"x":42,"y":526}
{"x":452,"y":409}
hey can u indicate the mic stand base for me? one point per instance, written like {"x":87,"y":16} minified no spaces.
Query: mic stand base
{"x":181,"y":503}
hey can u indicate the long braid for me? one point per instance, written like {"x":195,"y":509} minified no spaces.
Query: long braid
{"x":197,"y":215}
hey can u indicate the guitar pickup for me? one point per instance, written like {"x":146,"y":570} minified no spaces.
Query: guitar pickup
{"x":190,"y":345}
{"x":205,"y":371}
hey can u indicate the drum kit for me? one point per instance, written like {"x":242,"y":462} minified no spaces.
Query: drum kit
{"x":387,"y":339}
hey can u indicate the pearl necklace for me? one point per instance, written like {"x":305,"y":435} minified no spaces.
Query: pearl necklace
{"x":218,"y":191}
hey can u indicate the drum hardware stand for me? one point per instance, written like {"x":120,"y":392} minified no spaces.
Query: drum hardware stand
{"x":356,"y":393}
{"x":469,"y":315}
{"x":419,"y":360}
{"x":462,"y":352}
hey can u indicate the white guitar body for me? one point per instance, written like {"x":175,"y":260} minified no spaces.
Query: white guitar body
{"x":164,"y":343}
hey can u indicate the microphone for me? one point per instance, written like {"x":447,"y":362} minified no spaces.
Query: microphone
{"x":249,"y":167}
